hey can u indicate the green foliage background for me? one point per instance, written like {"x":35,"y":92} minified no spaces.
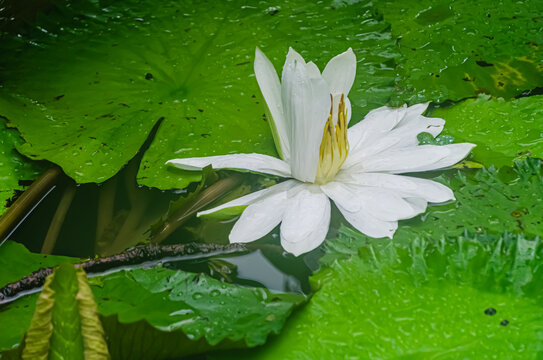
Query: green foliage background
{"x":83,"y":85}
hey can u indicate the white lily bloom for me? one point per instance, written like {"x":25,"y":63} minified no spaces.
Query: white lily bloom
{"x":358,"y":170}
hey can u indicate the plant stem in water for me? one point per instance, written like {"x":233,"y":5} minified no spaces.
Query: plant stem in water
{"x":58,"y":219}
{"x":106,"y":202}
{"x":127,"y":235}
{"x":206,"y":197}
{"x":28,"y":200}
{"x":131,"y":257}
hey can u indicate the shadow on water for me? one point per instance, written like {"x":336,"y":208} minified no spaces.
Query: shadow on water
{"x":88,"y":220}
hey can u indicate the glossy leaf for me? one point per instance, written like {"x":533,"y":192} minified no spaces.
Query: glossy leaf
{"x":472,"y":297}
{"x":487,"y":201}
{"x":194,"y":307}
{"x":87,"y":84}
{"x":16,"y":262}
{"x":503,"y":130}
{"x":65,"y":324}
{"x":160,"y":313}
{"x":13,"y":166}
{"x":453,"y":50}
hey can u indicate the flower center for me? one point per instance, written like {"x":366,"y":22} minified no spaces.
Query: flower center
{"x":334,"y":146}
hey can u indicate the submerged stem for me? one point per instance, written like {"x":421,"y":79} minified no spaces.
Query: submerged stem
{"x":58,"y":219}
{"x":106,"y":202}
{"x":126,"y":236}
{"x":206,"y":197}
{"x":27,"y":200}
{"x":134,"y":256}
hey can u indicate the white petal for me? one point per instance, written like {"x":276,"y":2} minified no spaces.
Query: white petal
{"x":408,"y":133}
{"x":251,"y":162}
{"x":252,"y":197}
{"x":306,"y":102}
{"x":386,"y":127}
{"x":268,"y":81}
{"x":357,"y":155}
{"x":340,"y":72}
{"x":414,"y":159}
{"x":419,"y":205}
{"x":292,"y":58}
{"x":457,"y":152}
{"x":312,"y":70}
{"x":305,"y":221}
{"x":408,"y":186}
{"x":260,"y":217}
{"x":348,"y":109}
{"x":384,"y":204}
{"x":375,"y":125}
{"x":341,"y":194}
{"x":369,"y":225}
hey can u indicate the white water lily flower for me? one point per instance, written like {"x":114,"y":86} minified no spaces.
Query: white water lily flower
{"x":358,"y":170}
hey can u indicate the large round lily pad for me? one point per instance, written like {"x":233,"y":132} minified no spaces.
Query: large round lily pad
{"x":88,"y":82}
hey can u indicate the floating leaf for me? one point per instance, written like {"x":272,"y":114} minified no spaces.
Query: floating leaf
{"x":65,"y":324}
{"x":16,"y":262}
{"x":453,"y":50}
{"x":201,"y":312}
{"x":14,"y":167}
{"x":488,"y":200}
{"x":87,"y":84}
{"x":161,"y":313}
{"x":472,"y":297}
{"x":503,"y":130}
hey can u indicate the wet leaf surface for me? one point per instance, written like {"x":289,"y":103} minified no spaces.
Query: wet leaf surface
{"x":15,"y":168}
{"x":423,"y":299}
{"x":453,"y":50}
{"x":84,"y":90}
{"x":179,"y":313}
{"x":503,"y":130}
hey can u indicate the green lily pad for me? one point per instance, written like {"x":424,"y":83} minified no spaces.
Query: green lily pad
{"x":200,"y":311}
{"x":453,"y":50}
{"x":17,"y":262}
{"x":488,"y":200}
{"x":87,"y":84}
{"x":472,"y":297}
{"x":13,"y":165}
{"x":503,"y":130}
{"x":158,"y":313}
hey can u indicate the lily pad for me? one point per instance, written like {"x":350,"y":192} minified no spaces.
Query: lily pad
{"x":17,"y":262}
{"x":488,"y":200}
{"x":202,"y":312}
{"x":14,"y":167}
{"x":453,"y":50}
{"x":160,"y":313}
{"x":466,"y":297}
{"x":503,"y":130}
{"x":89,"y":81}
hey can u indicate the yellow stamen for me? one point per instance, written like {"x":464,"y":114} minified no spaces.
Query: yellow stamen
{"x":334,"y":146}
